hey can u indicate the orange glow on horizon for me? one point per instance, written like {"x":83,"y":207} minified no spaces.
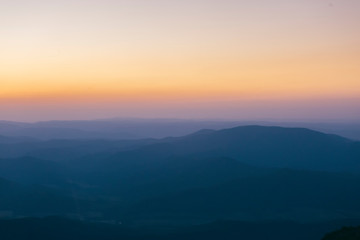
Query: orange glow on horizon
{"x":319,"y":74}
{"x":134,"y":52}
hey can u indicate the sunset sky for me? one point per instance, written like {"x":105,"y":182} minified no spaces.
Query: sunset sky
{"x":231,"y":59}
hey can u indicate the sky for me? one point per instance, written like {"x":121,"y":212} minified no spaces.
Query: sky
{"x":223,"y":59}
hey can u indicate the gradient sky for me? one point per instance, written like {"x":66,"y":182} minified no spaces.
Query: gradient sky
{"x":261,"y":59}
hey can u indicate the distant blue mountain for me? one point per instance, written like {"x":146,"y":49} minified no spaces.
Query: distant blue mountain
{"x":242,"y":173}
{"x":278,"y":147}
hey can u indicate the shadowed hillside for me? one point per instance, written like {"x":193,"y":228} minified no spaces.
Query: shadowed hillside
{"x":59,"y":229}
{"x":252,"y":173}
{"x":346,"y":233}
{"x":255,"y":145}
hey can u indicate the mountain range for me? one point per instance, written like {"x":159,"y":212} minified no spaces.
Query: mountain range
{"x":247,"y":173}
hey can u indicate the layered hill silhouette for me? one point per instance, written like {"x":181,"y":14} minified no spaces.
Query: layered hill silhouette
{"x":275,"y":147}
{"x":250,"y":173}
{"x":255,"y":145}
{"x":153,"y":128}
{"x":64,"y":149}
